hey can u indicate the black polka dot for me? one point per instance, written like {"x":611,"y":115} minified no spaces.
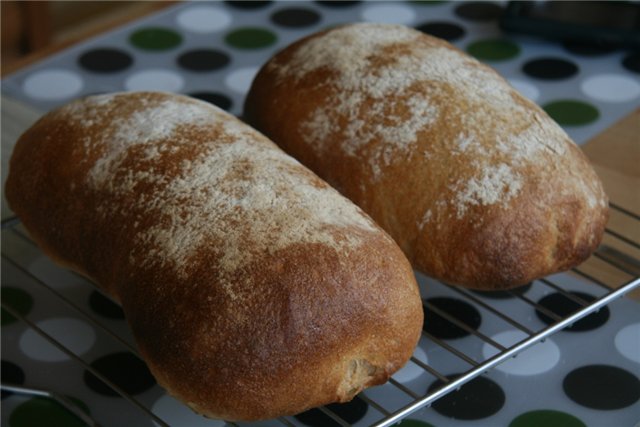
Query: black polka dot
{"x":104,"y":306}
{"x":477,"y":399}
{"x":479,"y":11}
{"x":217,"y":99}
{"x":632,"y":62}
{"x":602,"y":387}
{"x":295,"y":17}
{"x":444,"y":30}
{"x":563,"y":306}
{"x":242,"y":4}
{"x":124,"y":370}
{"x":337,"y":3}
{"x":105,"y":60}
{"x":351,"y":412}
{"x":440,"y":327}
{"x":11,"y":374}
{"x":550,"y":68}
{"x":520,"y":290}
{"x":588,"y":49}
{"x":203,"y":60}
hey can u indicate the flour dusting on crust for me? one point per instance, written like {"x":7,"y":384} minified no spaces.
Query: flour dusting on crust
{"x":210,"y":182}
{"x":147,"y":128}
{"x":354,"y":55}
{"x":257,"y":183}
{"x":389,"y":84}
{"x":498,"y":184}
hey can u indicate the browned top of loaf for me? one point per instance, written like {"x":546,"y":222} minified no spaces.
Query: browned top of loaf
{"x":183,"y":175}
{"x":436,"y":147}
{"x":253,"y":288}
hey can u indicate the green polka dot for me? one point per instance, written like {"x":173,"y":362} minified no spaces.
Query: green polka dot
{"x":41,"y":411}
{"x":546,"y":418}
{"x":493,"y":50}
{"x":18,"y":300}
{"x":571,"y":113}
{"x":250,"y":38}
{"x":408,"y":422}
{"x":155,"y":38}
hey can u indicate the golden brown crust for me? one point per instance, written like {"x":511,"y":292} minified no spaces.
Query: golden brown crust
{"x":475,"y":183}
{"x":253,"y":289}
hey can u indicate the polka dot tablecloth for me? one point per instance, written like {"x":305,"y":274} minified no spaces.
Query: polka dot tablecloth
{"x":585,"y":375}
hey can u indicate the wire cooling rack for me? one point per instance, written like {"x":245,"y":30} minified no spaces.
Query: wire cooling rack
{"x":614,"y":269}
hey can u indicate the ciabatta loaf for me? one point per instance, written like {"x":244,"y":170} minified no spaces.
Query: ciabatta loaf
{"x":476,"y":183}
{"x":253,"y":288}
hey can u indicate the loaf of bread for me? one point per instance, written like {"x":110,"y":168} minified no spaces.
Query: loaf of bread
{"x":476,"y":184}
{"x":253,"y":288}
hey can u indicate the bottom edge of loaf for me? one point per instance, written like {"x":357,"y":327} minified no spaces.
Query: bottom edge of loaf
{"x":360,"y":375}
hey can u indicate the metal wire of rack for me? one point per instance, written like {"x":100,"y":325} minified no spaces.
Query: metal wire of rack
{"x":614,"y":268}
